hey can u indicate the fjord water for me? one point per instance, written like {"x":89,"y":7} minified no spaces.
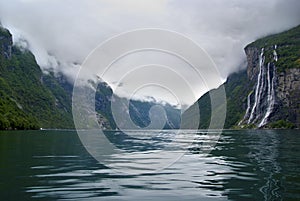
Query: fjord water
{"x":244,"y":165}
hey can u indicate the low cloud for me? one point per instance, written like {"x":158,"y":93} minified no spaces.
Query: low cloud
{"x":61,"y":33}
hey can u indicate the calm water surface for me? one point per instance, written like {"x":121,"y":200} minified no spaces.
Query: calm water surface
{"x":244,"y":165}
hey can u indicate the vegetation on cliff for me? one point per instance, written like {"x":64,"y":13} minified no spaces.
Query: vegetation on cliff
{"x":25,"y":101}
{"x":288,"y":48}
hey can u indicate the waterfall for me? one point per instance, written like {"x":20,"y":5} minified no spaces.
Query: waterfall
{"x":271,"y":90}
{"x":269,"y":83}
{"x":261,"y":94}
{"x":248,"y":103}
{"x":275,"y":56}
{"x":248,"y":108}
{"x":271,"y":96}
{"x":258,"y":86}
{"x":264,"y":99}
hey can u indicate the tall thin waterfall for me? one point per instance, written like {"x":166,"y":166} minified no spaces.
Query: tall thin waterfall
{"x":248,"y":103}
{"x":275,"y":57}
{"x":264,"y":99}
{"x":271,"y":96}
{"x":258,"y":86}
{"x":248,"y":108}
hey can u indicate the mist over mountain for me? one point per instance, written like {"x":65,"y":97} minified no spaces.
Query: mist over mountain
{"x":31,"y":99}
{"x":62,"y":33}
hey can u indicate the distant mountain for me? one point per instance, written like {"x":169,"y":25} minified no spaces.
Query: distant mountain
{"x":30,"y":99}
{"x":138,"y":110}
{"x":267,"y":93}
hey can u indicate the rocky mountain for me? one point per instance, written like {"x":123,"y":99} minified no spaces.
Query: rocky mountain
{"x":267,"y":93}
{"x":31,"y":99}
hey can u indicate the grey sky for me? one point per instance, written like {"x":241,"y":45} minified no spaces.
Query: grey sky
{"x":63,"y":32}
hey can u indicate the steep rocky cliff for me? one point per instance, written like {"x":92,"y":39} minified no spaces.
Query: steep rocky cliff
{"x":276,"y":93}
{"x":267,"y":93}
{"x":274,"y":71}
{"x":288,"y":94}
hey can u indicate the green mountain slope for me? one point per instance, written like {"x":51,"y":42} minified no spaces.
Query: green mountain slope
{"x":288,"y":48}
{"x":26,"y":102}
{"x":236,"y":91}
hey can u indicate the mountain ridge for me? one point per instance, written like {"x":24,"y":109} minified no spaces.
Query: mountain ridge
{"x":32,"y":99}
{"x":264,"y":95}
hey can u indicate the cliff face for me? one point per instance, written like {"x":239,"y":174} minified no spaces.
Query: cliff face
{"x":262,"y":99}
{"x":274,"y":95}
{"x":267,"y":93}
{"x":252,"y":62}
{"x":288,"y":96}
{"x":273,"y":70}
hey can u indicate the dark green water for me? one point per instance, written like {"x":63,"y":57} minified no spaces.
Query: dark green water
{"x":244,"y":165}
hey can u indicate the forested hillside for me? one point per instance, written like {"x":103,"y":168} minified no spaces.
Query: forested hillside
{"x":26,"y":101}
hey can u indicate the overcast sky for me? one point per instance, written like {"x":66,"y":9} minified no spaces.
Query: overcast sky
{"x":61,"y":33}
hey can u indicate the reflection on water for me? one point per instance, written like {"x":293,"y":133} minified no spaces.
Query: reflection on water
{"x":265,"y":154}
{"x":244,"y":165}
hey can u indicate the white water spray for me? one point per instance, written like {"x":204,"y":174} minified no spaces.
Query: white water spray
{"x":275,"y":56}
{"x":264,"y":100}
{"x":271,"y":96}
{"x":256,"y":100}
{"x":248,"y":108}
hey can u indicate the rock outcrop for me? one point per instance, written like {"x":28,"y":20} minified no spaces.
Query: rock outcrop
{"x":288,"y":95}
{"x":5,"y":43}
